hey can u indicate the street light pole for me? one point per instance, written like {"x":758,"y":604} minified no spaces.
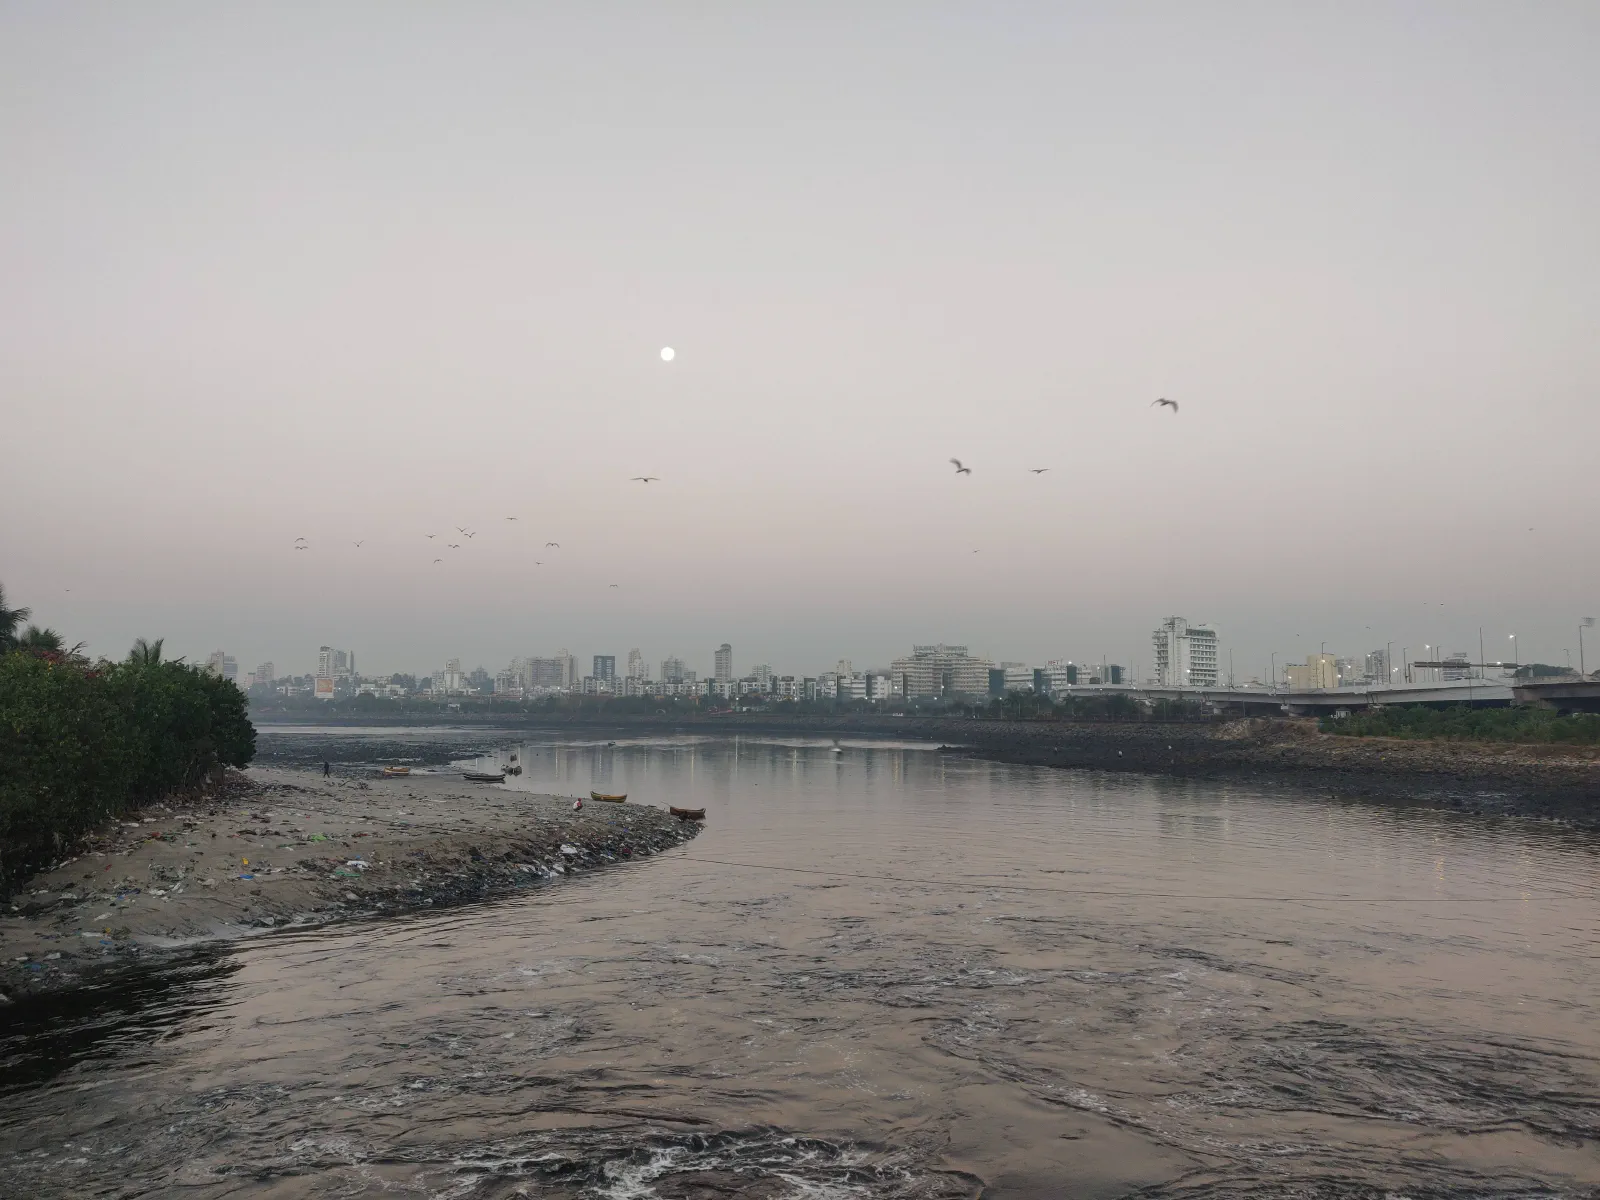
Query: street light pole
{"x":1586,"y":623}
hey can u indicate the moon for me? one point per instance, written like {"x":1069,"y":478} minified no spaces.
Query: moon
{"x":668,"y":354}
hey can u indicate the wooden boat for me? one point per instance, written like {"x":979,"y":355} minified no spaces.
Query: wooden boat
{"x":611,"y":799}
{"x":687,"y":814}
{"x":484,"y":776}
{"x":395,"y":772}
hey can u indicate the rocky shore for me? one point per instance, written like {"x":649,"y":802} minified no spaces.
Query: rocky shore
{"x":269,"y":848}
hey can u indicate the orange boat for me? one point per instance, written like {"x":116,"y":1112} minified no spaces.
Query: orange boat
{"x":687,"y":814}
{"x":608,"y":799}
{"x":396,"y":772}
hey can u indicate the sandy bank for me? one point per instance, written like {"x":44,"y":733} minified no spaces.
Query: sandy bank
{"x":271,"y":848}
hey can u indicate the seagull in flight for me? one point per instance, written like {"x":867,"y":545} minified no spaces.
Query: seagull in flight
{"x":511,"y":518}
{"x":557,"y":545}
{"x":358,"y":544}
{"x":1038,"y":470}
{"x":616,"y":585}
{"x":299,"y":539}
{"x":438,"y":560}
{"x":430,"y":536}
{"x":302,"y":547}
{"x":648,"y":478}
{"x":1172,"y":404}
{"x":960,"y":470}
{"x":453,"y":546}
{"x":473,"y":534}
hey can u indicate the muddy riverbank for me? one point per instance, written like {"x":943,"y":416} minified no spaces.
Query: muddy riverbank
{"x":273,"y":848}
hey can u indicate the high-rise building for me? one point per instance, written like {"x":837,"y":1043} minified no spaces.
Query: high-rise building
{"x":635,"y":664}
{"x":672,"y":670}
{"x":334,"y":664}
{"x":559,"y":673}
{"x":214,"y":662}
{"x":723,"y":670}
{"x":1377,"y":667}
{"x":1186,"y":655}
{"x":762,"y":674}
{"x":263,"y":674}
{"x":605,"y":667}
{"x":940,"y":670}
{"x":1318,"y":671}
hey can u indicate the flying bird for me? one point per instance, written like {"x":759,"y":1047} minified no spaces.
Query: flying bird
{"x":358,"y":544}
{"x":557,"y":545}
{"x":511,"y":518}
{"x":438,"y":560}
{"x":453,"y":546}
{"x":461,"y":528}
{"x":473,"y":534}
{"x":302,"y":547}
{"x":1172,"y":404}
{"x":648,"y":478}
{"x":537,"y":563}
{"x":616,"y":585}
{"x":1038,"y":470}
{"x":960,"y":470}
{"x":299,"y":539}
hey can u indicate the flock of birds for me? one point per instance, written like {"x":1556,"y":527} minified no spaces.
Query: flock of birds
{"x":961,"y":469}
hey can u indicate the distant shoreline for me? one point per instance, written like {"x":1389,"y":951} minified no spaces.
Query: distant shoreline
{"x":1555,"y":782}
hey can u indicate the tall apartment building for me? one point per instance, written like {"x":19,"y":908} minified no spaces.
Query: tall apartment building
{"x":723,"y":670}
{"x":559,"y":672}
{"x":940,"y":670}
{"x":605,"y":668}
{"x":1376,"y":667}
{"x":263,"y":674}
{"x":1186,"y":655}
{"x":635,"y":664}
{"x":332,"y":664}
{"x":672,"y":670}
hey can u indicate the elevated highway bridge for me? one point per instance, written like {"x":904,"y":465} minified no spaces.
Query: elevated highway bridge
{"x":1567,"y":695}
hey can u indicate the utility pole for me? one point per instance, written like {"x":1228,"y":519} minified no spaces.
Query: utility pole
{"x":1586,"y":623}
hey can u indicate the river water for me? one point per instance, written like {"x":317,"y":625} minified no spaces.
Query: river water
{"x":887,"y":971}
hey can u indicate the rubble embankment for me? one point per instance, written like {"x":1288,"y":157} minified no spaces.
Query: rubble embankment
{"x":269,"y":849}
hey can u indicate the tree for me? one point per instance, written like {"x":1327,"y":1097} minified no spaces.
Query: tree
{"x":34,"y":638}
{"x":146,"y":653}
{"x":10,"y":618}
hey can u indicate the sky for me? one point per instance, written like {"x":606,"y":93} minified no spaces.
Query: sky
{"x":369,"y":271}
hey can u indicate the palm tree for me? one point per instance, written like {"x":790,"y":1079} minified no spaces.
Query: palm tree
{"x":10,"y":618}
{"x":145,"y":653}
{"x":35,"y":638}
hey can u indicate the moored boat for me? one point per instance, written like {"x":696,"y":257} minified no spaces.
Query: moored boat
{"x":687,"y":814}
{"x":611,"y":799}
{"x":395,"y":772}
{"x":484,"y":776}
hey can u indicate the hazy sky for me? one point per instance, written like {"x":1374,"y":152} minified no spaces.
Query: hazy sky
{"x":370,"y":271}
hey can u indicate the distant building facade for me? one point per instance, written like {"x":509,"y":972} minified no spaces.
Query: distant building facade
{"x":635,"y":664}
{"x":1186,"y":655}
{"x":605,"y":667}
{"x":940,"y":671}
{"x":722,"y":671}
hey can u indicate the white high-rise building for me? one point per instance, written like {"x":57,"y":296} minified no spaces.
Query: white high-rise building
{"x":635,"y":664}
{"x":1186,"y":655}
{"x":723,"y":670}
{"x":940,"y":670}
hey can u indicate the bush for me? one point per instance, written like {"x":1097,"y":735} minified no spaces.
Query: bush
{"x":1462,"y":723}
{"x":79,"y":744}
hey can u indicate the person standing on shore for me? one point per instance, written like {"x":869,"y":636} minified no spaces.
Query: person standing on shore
{"x":326,"y":770}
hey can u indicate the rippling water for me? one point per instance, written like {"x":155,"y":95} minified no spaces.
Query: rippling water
{"x":882,"y":972}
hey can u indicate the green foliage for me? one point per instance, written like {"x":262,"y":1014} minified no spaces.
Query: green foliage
{"x":79,"y":744}
{"x":10,"y":618}
{"x":34,"y":638}
{"x":146,"y":653}
{"x":1462,"y":723}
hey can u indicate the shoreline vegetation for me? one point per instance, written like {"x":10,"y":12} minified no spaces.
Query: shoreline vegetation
{"x":82,"y":742}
